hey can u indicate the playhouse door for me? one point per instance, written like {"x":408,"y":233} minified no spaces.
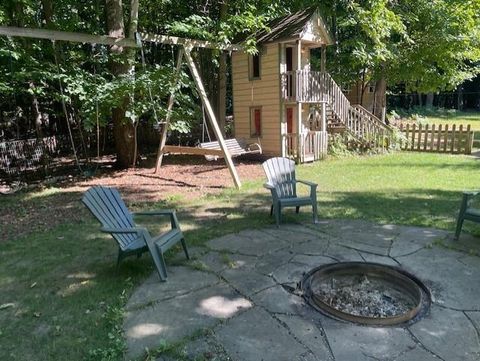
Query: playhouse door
{"x":289,"y":120}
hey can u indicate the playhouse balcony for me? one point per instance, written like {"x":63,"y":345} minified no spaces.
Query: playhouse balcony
{"x":306,"y":86}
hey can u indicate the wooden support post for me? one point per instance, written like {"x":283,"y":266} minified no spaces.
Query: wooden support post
{"x":439,"y":137}
{"x":419,"y":139}
{"x":324,"y":117}
{"x":471,"y":136}
{"x":461,"y":140}
{"x":425,"y":139}
{"x":432,"y":139}
{"x":283,"y":96}
{"x":299,"y":104}
{"x":211,"y":116}
{"x":452,"y":144}
{"x":171,"y":99}
{"x":445,"y":144}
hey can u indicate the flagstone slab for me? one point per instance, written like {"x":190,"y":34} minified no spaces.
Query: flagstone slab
{"x":181,"y":280}
{"x":277,"y":300}
{"x":353,"y":342}
{"x":412,"y":239}
{"x":449,"y":334}
{"x":306,"y":330}
{"x":255,"y":335}
{"x":453,"y":278}
{"x":179,"y":317}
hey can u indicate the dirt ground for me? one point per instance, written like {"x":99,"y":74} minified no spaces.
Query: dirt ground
{"x":190,"y":177}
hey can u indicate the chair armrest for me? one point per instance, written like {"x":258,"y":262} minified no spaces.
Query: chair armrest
{"x":138,"y":230}
{"x":311,"y":184}
{"x":158,"y":212}
{"x":268,"y":186}
{"x":313,"y":188}
{"x":162,"y":212}
{"x":468,"y":197}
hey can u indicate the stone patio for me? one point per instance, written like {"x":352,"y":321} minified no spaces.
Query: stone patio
{"x":234,"y":301}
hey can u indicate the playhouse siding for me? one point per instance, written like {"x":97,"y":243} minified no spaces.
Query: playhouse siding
{"x":263,"y":92}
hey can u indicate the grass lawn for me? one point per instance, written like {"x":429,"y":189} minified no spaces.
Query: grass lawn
{"x":62,"y":297}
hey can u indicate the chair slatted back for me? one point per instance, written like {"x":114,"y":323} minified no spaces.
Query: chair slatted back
{"x":281,"y":174}
{"x":108,"y":207}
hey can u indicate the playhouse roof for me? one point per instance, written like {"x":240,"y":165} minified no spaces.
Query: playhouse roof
{"x":303,"y":25}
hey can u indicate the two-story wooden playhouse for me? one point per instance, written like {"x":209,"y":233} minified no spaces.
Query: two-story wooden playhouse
{"x":279,"y":101}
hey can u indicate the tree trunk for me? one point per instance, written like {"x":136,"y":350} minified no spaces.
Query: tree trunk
{"x":123,"y":130}
{"x":47,"y":7}
{"x":429,"y":100}
{"x":419,"y":99}
{"x":380,"y":100}
{"x":222,"y":78}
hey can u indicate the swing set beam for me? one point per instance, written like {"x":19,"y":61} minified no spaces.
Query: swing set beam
{"x":110,"y":40}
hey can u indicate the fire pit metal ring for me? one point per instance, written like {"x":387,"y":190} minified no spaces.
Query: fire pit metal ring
{"x":411,"y":289}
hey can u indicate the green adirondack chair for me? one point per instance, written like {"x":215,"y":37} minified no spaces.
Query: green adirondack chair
{"x":467,"y":212}
{"x":108,"y":207}
{"x":282,"y":184}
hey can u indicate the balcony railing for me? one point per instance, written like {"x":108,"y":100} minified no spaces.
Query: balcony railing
{"x":305,"y":86}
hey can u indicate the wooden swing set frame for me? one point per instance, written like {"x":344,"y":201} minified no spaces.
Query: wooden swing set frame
{"x":186,"y":46}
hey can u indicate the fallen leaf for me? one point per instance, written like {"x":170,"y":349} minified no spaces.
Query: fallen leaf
{"x":33,"y":284}
{"x":37,"y":314}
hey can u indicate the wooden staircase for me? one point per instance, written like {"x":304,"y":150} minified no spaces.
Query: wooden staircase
{"x":367,"y":131}
{"x":314,"y":87}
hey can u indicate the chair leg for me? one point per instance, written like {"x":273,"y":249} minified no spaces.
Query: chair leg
{"x":119,"y":257}
{"x":461,"y":216}
{"x":161,"y":267}
{"x":297,"y":209}
{"x":184,"y":245}
{"x":278,"y":210}
{"x":271,"y":210}
{"x":458,"y":228}
{"x":314,"y":211}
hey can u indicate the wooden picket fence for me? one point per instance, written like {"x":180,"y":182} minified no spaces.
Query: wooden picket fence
{"x":438,"y":138}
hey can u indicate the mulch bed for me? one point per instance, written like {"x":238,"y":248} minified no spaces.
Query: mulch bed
{"x":190,"y":177}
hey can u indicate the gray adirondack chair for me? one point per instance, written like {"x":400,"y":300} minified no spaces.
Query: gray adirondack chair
{"x":108,"y":207}
{"x":467,"y":212}
{"x":282,"y":184}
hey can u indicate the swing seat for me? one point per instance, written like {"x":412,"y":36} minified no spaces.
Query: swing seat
{"x":236,"y":147}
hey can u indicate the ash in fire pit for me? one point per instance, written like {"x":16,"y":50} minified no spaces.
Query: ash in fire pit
{"x":367,"y":293}
{"x":361,"y":296}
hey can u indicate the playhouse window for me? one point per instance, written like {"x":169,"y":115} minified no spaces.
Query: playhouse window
{"x":254,"y":67}
{"x":256,"y":122}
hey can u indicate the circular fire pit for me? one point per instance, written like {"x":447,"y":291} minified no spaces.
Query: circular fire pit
{"x":366,"y":293}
